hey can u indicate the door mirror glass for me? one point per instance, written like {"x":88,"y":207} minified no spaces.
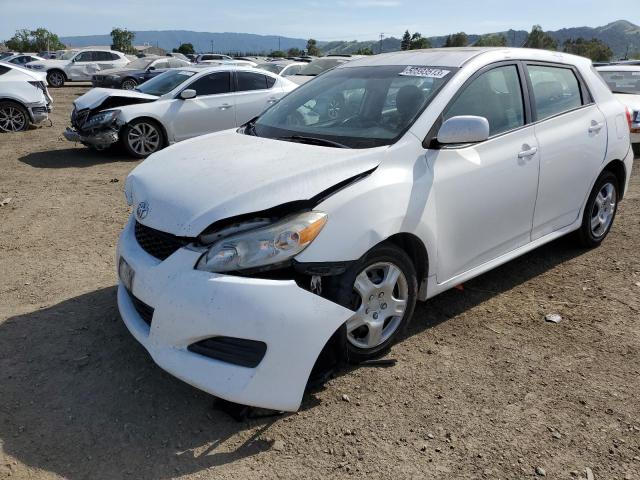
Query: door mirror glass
{"x":187,"y":94}
{"x":151,"y":68}
{"x":464,"y":129}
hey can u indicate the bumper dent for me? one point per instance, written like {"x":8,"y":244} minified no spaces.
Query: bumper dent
{"x":101,"y":139}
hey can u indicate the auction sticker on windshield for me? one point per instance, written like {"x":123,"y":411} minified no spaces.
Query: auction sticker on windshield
{"x":427,"y":72}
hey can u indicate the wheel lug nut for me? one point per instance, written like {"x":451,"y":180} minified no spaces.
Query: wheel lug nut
{"x":383,"y":306}
{"x":375,"y":316}
{"x":381,"y":294}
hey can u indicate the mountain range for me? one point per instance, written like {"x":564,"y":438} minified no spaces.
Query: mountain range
{"x":622,"y":36}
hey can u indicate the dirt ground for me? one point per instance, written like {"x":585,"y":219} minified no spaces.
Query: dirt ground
{"x":483,"y":386}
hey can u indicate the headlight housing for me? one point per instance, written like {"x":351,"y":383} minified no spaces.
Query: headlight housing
{"x":262,"y":247}
{"x":100,"y":119}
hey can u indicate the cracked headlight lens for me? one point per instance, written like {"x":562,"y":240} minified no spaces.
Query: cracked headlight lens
{"x":274,"y":244}
{"x":99,"y":119}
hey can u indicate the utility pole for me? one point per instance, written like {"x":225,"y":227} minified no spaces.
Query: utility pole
{"x":211,"y":46}
{"x":278,"y":43}
{"x":381,"y":38}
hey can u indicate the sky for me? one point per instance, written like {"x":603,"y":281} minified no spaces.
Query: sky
{"x":320,"y":19}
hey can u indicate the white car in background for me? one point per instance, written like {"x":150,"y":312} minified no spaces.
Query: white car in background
{"x":23,"y":58}
{"x":252,"y":253}
{"x":174,"y":106}
{"x":78,"y":66}
{"x":624,"y":82}
{"x":282,"y":68}
{"x":24,"y":98}
{"x":215,"y":57}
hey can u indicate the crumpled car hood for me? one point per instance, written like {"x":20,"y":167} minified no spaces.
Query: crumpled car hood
{"x":187,"y":187}
{"x":97,"y":96}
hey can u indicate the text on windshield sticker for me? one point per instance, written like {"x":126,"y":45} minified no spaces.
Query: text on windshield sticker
{"x":426,"y":72}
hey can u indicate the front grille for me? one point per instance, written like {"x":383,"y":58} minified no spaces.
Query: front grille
{"x":144,"y":310}
{"x":158,"y":244}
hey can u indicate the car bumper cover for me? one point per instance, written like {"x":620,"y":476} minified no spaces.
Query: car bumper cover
{"x":190,"y":306}
{"x":101,"y":139}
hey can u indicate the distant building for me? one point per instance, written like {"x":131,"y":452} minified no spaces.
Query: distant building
{"x":150,"y":50}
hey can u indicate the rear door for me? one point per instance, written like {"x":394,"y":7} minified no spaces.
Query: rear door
{"x":255,"y":92}
{"x":82,"y":66}
{"x":213,"y":108}
{"x":572,"y":135}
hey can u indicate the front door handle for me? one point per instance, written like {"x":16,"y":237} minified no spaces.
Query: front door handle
{"x":528,"y":153}
{"x":225,"y":106}
{"x":596,"y":126}
{"x":272,"y":100}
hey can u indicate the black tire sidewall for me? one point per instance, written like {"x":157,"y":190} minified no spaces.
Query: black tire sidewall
{"x":586,"y":237}
{"x":124,"y":135}
{"x":49,"y":74}
{"x":340,"y":289}
{"x":135,"y":84}
{"x":22,"y":110}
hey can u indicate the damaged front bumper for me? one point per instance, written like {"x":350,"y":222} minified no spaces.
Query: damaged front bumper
{"x":39,"y":112}
{"x":169,"y":307}
{"x":97,"y":139}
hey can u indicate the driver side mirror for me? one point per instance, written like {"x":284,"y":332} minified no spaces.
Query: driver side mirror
{"x":187,"y":94}
{"x":464,"y":129}
{"x":151,"y":68}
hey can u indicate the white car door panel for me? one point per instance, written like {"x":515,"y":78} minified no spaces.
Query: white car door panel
{"x":254,"y":94}
{"x":572,"y":146}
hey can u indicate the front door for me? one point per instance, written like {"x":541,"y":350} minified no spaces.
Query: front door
{"x":485,"y":193}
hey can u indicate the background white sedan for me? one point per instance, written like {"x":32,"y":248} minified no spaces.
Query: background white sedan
{"x":174,"y":106}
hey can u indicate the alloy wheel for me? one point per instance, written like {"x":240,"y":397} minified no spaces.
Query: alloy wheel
{"x":604,"y":209}
{"x":144,"y":138}
{"x":129,"y":84}
{"x":56,"y":79}
{"x":381,"y":294}
{"x":12,"y":119}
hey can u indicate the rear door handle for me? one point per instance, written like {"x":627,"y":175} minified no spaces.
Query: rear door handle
{"x":528,"y":153}
{"x":595,"y":126}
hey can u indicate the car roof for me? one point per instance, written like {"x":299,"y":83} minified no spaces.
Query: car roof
{"x":619,"y":68}
{"x":457,"y":57}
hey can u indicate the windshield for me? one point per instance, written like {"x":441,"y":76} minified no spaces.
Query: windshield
{"x":622,"y":82}
{"x":270,"y":67}
{"x":321,"y":65}
{"x":165,"y":82}
{"x":140,"y":63}
{"x":358,"y":107}
{"x":68,"y":55}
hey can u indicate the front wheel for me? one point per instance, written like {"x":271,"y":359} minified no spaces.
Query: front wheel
{"x":599,"y":212}
{"x":56,"y":78}
{"x":141,"y":138}
{"x":381,"y":289}
{"x":129,"y":84}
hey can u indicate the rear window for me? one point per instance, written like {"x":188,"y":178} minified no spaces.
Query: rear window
{"x":622,"y":82}
{"x":555,"y":89}
{"x":253,"y":81}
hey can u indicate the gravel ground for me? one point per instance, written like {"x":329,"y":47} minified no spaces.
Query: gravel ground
{"x":483,"y":386}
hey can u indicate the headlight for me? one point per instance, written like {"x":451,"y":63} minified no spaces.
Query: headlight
{"x":270,"y":245}
{"x":100,"y":119}
{"x":37,"y":67}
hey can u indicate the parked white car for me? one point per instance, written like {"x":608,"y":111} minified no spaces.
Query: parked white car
{"x":624,"y":82}
{"x":282,"y":68}
{"x":216,"y":57}
{"x":251,"y":251}
{"x":78,"y":66}
{"x":174,"y":106}
{"x":22,"y":58}
{"x":24,"y":98}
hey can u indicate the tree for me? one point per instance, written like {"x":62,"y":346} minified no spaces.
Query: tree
{"x":122,"y":40}
{"x":540,"y":39}
{"x":312,"y":48}
{"x":594,"y":49}
{"x":459,"y":39}
{"x":418,"y":41}
{"x":278,"y":54}
{"x":34,"y":41}
{"x":294,"y":52}
{"x":405,"y":44}
{"x":185,"y":49}
{"x":491,"y":41}
{"x":364,"y":51}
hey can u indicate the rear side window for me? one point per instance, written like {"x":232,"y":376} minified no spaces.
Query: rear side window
{"x":555,"y":90}
{"x":114,"y":56}
{"x":85,"y":57}
{"x":253,"y":81}
{"x":102,"y":56}
{"x":212,"y":84}
{"x":495,"y":95}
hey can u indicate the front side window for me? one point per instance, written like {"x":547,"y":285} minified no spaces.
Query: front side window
{"x":84,"y":57}
{"x":251,"y":81}
{"x":555,"y":90}
{"x":212,"y":84}
{"x":358,"y":107}
{"x":165,"y":82}
{"x":495,"y":95}
{"x":292,"y":70}
{"x":623,"y":81}
{"x":161,"y":64}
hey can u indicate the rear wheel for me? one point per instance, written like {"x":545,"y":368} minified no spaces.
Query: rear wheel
{"x":141,"y":138}
{"x":129,"y":84}
{"x":600,"y":211}
{"x":13,"y":117}
{"x":56,"y":78}
{"x":381,"y":289}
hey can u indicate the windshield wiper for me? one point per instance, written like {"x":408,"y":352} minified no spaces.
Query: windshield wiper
{"x":313,"y":141}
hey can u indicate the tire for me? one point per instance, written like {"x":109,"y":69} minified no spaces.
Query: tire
{"x":367,"y":289}
{"x":128,"y":84}
{"x":13,"y":117}
{"x":56,"y":78}
{"x":599,"y":212}
{"x":152,"y":138}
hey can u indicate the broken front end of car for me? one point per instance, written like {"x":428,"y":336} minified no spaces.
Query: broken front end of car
{"x":94,"y":129}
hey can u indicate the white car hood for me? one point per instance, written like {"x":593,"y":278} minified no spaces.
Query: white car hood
{"x":187,"y":187}
{"x":96,"y":96}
